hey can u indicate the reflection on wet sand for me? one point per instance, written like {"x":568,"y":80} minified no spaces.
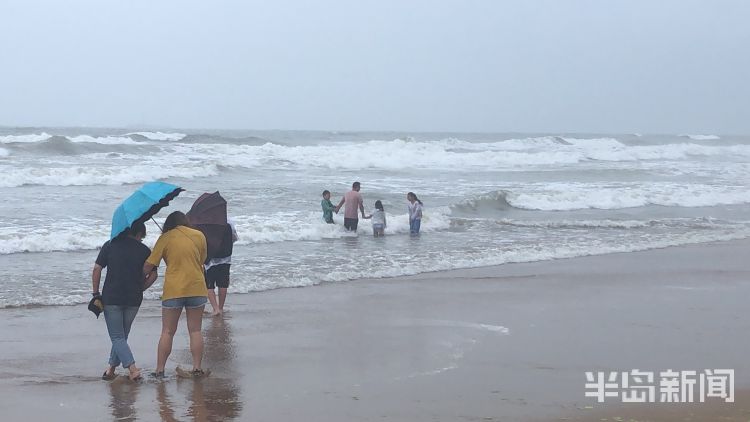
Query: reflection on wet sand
{"x":123,"y":395}
{"x":166,"y":408}
{"x":215,"y":398}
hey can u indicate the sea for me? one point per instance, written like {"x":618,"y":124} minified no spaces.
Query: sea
{"x":489,"y":199}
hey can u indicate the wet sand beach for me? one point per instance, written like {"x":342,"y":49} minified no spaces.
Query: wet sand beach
{"x":506,"y":343}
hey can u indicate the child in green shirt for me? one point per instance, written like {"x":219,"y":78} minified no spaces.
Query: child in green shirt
{"x":327,"y":207}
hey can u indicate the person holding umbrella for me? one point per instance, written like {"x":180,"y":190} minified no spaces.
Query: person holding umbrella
{"x":209,"y":215}
{"x":122,"y":295}
{"x":123,"y":256}
{"x":184,"y":251}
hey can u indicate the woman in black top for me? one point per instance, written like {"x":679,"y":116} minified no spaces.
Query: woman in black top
{"x":122,"y":294}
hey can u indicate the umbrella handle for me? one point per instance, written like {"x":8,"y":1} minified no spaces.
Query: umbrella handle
{"x":157,"y":225}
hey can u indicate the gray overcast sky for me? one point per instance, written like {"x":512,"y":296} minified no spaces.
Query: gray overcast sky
{"x":672,"y":66}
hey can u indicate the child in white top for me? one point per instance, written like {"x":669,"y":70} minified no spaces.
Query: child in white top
{"x":415,"y":213}
{"x":378,"y":220}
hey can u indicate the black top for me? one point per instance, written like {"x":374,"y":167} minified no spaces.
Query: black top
{"x":123,"y":257}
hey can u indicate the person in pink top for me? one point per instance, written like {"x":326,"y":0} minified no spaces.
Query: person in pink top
{"x":353,"y":201}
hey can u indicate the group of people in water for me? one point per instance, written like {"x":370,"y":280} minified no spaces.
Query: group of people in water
{"x":354,"y":204}
{"x":190,"y":278}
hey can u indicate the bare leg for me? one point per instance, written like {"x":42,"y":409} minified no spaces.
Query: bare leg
{"x":194,"y":322}
{"x":169,"y":319}
{"x":222,"y":298}
{"x":212,"y":298}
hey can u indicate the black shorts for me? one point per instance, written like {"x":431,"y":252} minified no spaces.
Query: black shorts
{"x":351,"y":224}
{"x":218,"y":275}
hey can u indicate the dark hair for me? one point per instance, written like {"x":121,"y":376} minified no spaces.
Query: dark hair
{"x":379,"y":205}
{"x":138,"y":228}
{"x":414,"y":195}
{"x":177,"y":218}
{"x":325,"y":192}
{"x":355,"y":185}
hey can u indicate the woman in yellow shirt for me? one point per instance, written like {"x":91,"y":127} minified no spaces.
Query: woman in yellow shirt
{"x":184,"y":251}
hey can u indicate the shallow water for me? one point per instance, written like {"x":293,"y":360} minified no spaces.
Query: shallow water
{"x":489,"y":199}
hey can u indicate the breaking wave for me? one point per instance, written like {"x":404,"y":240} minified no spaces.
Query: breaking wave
{"x":11,"y":139}
{"x":82,"y":175}
{"x":701,"y":137}
{"x":568,"y":197}
{"x":80,"y":234}
{"x":105,"y":140}
{"x":451,"y":154}
{"x":159,"y":136}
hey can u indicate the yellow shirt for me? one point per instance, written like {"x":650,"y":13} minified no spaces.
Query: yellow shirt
{"x":184,"y":252}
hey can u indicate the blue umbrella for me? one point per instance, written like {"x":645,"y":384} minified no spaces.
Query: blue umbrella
{"x":142,"y":205}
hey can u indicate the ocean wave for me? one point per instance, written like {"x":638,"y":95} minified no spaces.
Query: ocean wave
{"x":391,"y":155}
{"x":487,"y":204}
{"x":451,"y":154}
{"x":69,"y":235}
{"x":445,"y":260}
{"x":253,"y":273}
{"x":159,"y":136}
{"x":105,"y":140}
{"x":83,"y":175}
{"x":701,"y":137}
{"x":32,"y":137}
{"x":578,"y":196}
{"x":399,"y":154}
{"x":4,"y":152}
{"x":78,"y":234}
{"x":683,"y":223}
{"x":296,"y":226}
{"x":566,"y":197}
{"x":208,"y":139}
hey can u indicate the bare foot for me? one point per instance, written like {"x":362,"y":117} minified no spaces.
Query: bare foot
{"x":135,"y":373}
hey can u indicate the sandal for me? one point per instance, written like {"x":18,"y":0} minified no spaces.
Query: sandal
{"x":108,"y":377}
{"x":157,"y":374}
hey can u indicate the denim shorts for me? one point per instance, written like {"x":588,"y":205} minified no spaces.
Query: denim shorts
{"x":414,"y":226}
{"x":184,"y":302}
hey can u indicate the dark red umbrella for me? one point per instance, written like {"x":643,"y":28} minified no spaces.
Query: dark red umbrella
{"x":209,"y":215}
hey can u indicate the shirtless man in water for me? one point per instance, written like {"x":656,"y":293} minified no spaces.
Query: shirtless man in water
{"x":353,"y":201}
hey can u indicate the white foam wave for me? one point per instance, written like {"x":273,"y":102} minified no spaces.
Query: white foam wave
{"x":105,"y":140}
{"x":451,"y":154}
{"x":565,"y":197}
{"x":689,"y":223}
{"x":296,"y":226}
{"x":82,"y":175}
{"x":77,"y":234}
{"x":701,"y":137}
{"x":444,"y":155}
{"x":30,"y":138}
{"x":64,"y":236}
{"x":159,"y":136}
{"x":4,"y":152}
{"x":264,"y":277}
{"x":448,"y":260}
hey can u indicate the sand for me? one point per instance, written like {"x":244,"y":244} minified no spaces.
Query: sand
{"x":508,"y":343}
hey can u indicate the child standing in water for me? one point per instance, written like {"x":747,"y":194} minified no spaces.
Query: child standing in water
{"x":378,"y":220}
{"x":327,"y":207}
{"x":415,"y":213}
